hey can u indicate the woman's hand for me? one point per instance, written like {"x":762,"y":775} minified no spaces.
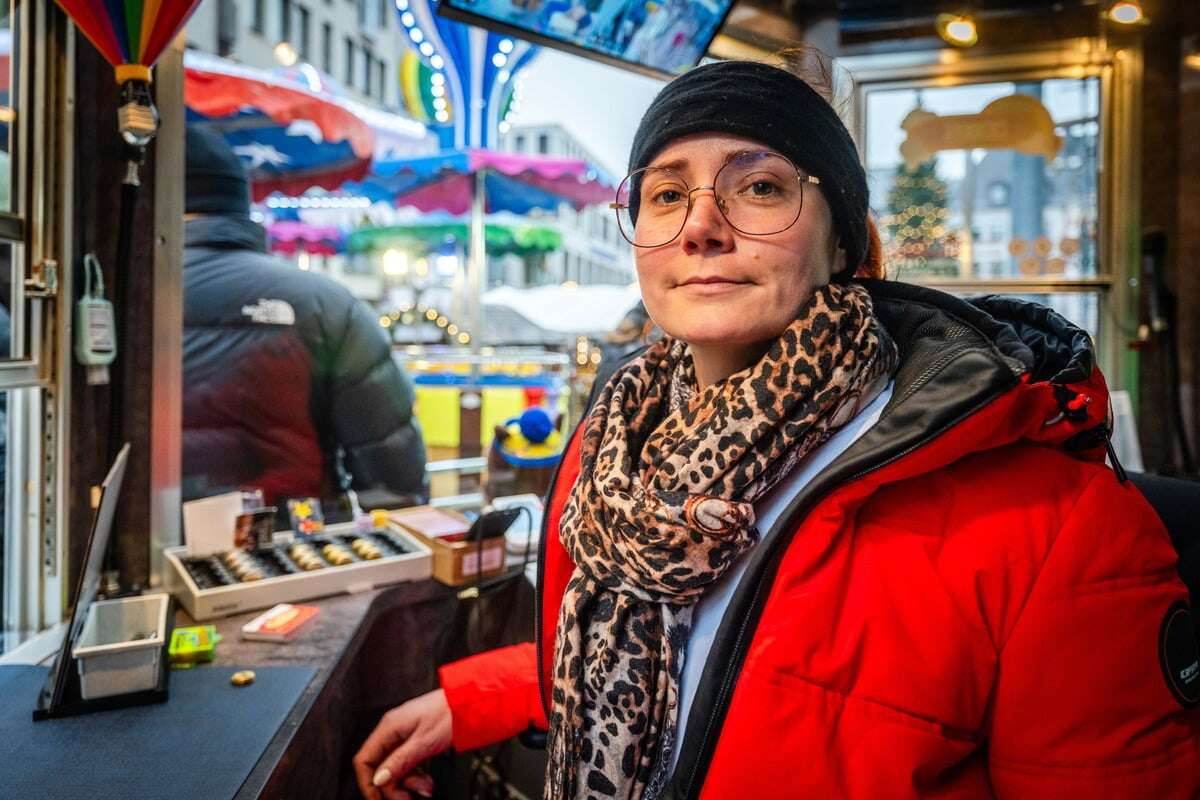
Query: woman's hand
{"x":405,"y":736}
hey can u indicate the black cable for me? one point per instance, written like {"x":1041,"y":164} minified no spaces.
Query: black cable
{"x":481,"y":586}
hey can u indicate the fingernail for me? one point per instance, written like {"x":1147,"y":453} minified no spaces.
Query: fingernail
{"x":382,"y":776}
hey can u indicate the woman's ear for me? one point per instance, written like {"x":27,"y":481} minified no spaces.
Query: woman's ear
{"x":872,"y":266}
{"x":838,"y":265}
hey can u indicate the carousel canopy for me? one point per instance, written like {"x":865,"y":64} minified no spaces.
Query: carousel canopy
{"x":512,"y":183}
{"x":570,"y":309}
{"x":292,"y":132}
{"x":501,"y":239}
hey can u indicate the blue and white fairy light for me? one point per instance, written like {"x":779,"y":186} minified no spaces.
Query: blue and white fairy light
{"x":472,"y":71}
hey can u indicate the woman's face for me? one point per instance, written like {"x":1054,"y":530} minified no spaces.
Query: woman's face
{"x":714,"y":287}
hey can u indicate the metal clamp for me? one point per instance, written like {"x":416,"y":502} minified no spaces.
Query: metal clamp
{"x":44,"y":281}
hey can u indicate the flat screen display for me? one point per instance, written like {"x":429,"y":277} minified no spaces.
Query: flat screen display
{"x":664,"y":38}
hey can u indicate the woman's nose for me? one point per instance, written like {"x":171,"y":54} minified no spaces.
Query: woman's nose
{"x":706,"y":229}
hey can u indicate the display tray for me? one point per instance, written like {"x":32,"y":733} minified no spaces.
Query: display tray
{"x":220,"y":585}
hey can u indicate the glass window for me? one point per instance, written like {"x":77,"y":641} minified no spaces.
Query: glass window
{"x":8,"y":102}
{"x":31,"y":556}
{"x":258,"y":22}
{"x":351,"y":55}
{"x":327,"y":47}
{"x":987,"y":181}
{"x":285,"y":20}
{"x":305,"y":43}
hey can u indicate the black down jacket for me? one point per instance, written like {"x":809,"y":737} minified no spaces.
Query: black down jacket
{"x":288,"y":380}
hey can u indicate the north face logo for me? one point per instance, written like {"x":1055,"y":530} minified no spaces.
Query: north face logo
{"x":270,"y":312}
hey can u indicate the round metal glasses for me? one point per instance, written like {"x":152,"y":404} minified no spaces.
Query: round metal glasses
{"x":758,"y":192}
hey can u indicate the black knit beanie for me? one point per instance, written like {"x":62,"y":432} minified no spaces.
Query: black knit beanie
{"x":215,"y":181}
{"x":772,"y":106}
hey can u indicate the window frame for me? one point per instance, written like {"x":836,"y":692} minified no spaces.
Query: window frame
{"x":1119,"y":71}
{"x":34,"y":583}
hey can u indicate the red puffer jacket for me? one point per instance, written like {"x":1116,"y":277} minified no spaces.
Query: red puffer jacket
{"x":967,"y":603}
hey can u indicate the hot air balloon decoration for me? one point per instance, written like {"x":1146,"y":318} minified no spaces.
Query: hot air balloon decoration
{"x":131,"y":35}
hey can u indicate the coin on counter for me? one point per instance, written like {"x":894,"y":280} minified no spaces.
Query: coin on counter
{"x":243,"y":677}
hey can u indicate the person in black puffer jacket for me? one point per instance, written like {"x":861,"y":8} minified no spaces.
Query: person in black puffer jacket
{"x":289,"y":385}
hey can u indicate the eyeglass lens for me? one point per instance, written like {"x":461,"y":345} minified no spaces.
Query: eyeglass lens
{"x":759,"y":193}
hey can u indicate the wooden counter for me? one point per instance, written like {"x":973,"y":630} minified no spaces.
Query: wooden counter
{"x":372,"y":651}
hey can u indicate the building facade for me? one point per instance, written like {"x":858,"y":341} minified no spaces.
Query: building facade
{"x":357,"y":42}
{"x":594,"y":252}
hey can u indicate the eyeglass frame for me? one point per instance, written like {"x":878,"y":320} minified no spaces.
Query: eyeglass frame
{"x":801,"y":177}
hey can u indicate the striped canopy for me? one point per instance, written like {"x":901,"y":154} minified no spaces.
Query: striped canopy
{"x":130,"y":34}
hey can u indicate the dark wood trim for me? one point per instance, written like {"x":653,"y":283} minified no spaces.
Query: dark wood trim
{"x":100,"y":168}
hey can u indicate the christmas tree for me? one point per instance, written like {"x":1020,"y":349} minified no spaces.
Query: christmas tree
{"x":917,"y":235}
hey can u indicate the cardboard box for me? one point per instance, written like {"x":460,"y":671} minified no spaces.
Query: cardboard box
{"x":455,"y":563}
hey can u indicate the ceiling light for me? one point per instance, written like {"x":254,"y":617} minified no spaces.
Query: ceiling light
{"x":1127,"y":12}
{"x":957,"y":29}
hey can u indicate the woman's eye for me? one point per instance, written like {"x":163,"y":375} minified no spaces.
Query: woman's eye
{"x":667,"y":196}
{"x":763,"y":188}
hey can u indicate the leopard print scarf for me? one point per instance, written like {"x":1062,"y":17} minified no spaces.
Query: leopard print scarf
{"x":663,"y":508}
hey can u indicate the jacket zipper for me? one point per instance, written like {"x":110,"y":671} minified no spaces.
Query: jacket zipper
{"x":733,"y":664}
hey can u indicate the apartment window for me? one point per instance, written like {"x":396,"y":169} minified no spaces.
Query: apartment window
{"x":285,"y":20}
{"x":327,"y":47}
{"x":368,"y":73}
{"x":258,"y":22}
{"x":305,"y":42}
{"x":361,"y":12}
{"x":520,"y":148}
{"x":381,"y":79}
{"x":384,"y":14}
{"x":543,"y":143}
{"x":351,"y":55}
{"x":227,"y":26}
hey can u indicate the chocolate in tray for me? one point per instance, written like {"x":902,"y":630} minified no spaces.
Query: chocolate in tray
{"x":324,"y":551}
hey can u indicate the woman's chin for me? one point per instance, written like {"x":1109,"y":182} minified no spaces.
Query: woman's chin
{"x":733,"y":336}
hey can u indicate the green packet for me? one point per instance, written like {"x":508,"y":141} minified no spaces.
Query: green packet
{"x":194,"y":645}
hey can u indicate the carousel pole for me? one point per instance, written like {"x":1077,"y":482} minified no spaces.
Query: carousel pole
{"x":477,"y":259}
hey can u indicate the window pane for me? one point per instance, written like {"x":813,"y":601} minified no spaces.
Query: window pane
{"x":8,"y":101}
{"x":20,"y":544}
{"x":7,"y":250}
{"x":987,"y":181}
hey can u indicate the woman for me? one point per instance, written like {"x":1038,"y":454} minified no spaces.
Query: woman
{"x":827,"y":538}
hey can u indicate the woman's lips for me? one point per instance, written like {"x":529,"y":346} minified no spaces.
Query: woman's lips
{"x":707,"y":286}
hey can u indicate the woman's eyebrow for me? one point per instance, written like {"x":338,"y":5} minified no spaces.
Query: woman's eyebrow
{"x":682,"y":163}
